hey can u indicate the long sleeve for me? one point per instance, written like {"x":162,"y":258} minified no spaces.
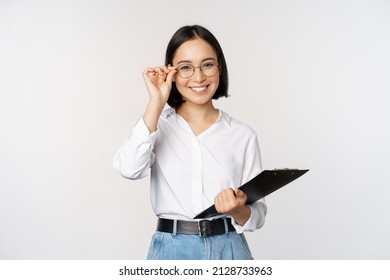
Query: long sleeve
{"x":187,"y":171}
{"x":257,"y":218}
{"x":135,"y":157}
{"x":252,"y":167}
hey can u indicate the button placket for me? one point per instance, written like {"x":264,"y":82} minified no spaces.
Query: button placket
{"x":197,"y":176}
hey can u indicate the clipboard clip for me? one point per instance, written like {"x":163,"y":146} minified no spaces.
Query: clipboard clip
{"x":281,"y":169}
{"x":285,"y":169}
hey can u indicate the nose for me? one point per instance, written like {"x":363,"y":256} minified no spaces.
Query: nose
{"x":198,"y":75}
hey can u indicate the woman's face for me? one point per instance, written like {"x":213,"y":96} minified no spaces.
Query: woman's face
{"x":198,"y":89}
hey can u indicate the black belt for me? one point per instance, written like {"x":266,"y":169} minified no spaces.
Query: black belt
{"x":203,"y":228}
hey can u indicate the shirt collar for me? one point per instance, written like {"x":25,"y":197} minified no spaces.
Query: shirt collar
{"x":224,"y":117}
{"x":171,"y":113}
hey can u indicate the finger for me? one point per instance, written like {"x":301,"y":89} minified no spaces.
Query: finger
{"x":165,"y":68}
{"x":155,"y":70}
{"x":161,"y":76}
{"x":219,"y":205}
{"x":240,"y":195}
{"x":238,"y":192}
{"x":225,"y":201}
{"x":149,"y":72}
{"x":228,"y":193}
{"x":159,"y":71}
{"x":170,"y":76}
{"x":146,"y":71}
{"x":225,"y":197}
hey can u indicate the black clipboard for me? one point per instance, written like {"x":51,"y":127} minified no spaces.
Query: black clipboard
{"x":260,"y":186}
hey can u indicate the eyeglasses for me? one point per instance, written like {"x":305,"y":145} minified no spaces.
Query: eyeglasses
{"x":208,"y":69}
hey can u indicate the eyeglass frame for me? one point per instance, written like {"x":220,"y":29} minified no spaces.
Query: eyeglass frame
{"x":193,"y":71}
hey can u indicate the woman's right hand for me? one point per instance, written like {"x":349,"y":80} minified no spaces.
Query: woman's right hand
{"x":158,"y":82}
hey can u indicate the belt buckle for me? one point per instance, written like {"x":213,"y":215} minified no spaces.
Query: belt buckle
{"x":204,"y":228}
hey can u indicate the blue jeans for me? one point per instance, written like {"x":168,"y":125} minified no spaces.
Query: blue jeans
{"x":169,"y":246}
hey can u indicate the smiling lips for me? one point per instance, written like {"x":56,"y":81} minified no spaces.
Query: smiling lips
{"x":198,"y":89}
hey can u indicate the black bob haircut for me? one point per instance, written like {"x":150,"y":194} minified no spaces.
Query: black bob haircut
{"x":191,"y":32}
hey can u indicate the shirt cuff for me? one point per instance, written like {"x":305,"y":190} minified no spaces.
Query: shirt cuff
{"x":256,"y":219}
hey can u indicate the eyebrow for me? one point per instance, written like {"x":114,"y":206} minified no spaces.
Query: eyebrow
{"x":188,"y":61}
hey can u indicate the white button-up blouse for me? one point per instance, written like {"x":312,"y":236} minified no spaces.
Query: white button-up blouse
{"x":187,"y":171}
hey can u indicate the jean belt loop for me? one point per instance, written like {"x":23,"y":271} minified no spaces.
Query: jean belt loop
{"x":174,"y":231}
{"x":226,"y":225}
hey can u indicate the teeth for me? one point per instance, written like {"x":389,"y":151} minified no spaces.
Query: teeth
{"x":199,"y":88}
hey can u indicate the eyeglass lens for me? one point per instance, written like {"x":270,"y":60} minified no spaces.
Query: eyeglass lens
{"x":186,"y":71}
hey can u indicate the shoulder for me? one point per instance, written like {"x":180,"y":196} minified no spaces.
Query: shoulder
{"x":238,"y":126}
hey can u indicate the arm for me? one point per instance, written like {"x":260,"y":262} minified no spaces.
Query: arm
{"x":158,"y":81}
{"x":232,"y":201}
{"x":135,"y":157}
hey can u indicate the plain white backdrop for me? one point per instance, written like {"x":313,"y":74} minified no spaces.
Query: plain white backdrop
{"x":311,"y":77}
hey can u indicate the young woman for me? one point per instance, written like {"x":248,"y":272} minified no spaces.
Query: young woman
{"x":198,"y":155}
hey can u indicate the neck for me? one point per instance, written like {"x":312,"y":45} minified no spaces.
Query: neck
{"x":197,"y":113}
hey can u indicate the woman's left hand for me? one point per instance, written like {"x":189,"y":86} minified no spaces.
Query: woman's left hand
{"x":232,"y":202}
{"x":229,"y":201}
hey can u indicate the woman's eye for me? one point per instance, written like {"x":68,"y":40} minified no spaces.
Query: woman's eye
{"x":185,"y":68}
{"x":208,"y":65}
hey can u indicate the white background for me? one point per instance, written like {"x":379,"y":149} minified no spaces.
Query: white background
{"x":311,"y":77}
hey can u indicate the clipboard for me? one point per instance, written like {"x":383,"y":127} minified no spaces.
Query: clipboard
{"x":260,"y":186}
